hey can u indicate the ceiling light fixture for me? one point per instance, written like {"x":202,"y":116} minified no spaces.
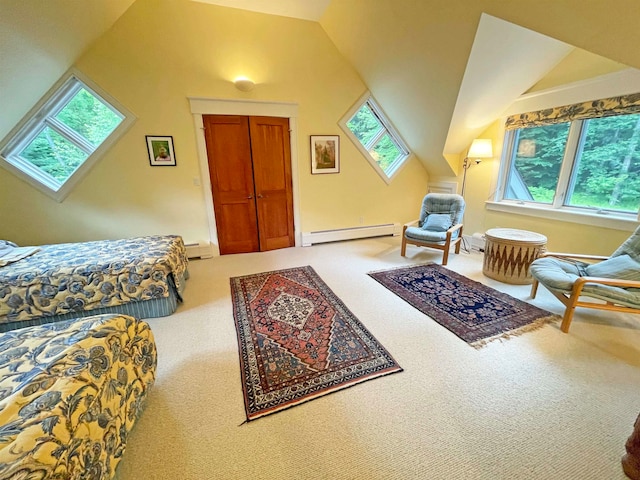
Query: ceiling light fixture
{"x":244,"y":84}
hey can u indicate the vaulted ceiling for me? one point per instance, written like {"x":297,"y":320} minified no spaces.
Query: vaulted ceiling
{"x":443,"y":71}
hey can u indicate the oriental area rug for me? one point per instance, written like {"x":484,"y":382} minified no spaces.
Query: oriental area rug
{"x":298,"y":341}
{"x":474,"y":312}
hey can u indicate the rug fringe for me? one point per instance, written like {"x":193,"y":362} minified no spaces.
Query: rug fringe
{"x":536,"y":325}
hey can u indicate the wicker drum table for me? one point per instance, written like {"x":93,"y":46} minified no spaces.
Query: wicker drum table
{"x":509,"y":252}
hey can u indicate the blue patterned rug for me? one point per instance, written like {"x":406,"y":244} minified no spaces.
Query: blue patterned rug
{"x":474,"y":312}
{"x":298,"y":341}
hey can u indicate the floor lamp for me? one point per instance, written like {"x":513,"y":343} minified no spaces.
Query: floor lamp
{"x":480,"y":148}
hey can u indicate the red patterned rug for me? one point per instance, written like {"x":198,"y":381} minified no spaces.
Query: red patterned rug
{"x":474,"y":312}
{"x":298,"y":341}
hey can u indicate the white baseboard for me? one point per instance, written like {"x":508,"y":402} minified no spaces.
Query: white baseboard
{"x":324,"y":236}
{"x":199,"y":250}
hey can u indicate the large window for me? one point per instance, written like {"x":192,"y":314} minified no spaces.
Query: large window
{"x":590,"y":164}
{"x":63,"y":135}
{"x":375,"y":137}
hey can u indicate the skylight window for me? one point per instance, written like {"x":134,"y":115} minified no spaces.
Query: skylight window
{"x":369,"y":129}
{"x":63,"y":136}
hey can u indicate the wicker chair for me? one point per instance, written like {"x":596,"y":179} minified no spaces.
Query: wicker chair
{"x":439,"y":225}
{"x":611,"y":283}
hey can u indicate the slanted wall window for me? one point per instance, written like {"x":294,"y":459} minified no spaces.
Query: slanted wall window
{"x":583,"y":157}
{"x":369,"y":129}
{"x":63,"y":136}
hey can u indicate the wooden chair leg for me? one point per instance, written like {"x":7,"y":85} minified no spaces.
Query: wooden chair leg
{"x":534,"y":288}
{"x":445,"y":256}
{"x":568,"y":316}
{"x":571,"y":303}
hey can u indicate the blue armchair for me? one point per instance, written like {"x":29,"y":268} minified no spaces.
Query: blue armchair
{"x":439,"y":225}
{"x":611,"y":283}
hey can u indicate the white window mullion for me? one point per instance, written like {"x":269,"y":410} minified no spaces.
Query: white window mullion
{"x":369,"y":146}
{"x":506,"y":163}
{"x":567,"y":170}
{"x":70,"y":135}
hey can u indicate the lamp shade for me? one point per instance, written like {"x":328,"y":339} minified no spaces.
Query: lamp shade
{"x":481,"y":148}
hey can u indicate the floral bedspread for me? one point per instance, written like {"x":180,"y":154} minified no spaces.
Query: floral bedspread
{"x":70,"y":393}
{"x":69,"y":277}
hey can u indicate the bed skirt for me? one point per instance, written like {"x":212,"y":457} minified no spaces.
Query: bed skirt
{"x":155,"y":307}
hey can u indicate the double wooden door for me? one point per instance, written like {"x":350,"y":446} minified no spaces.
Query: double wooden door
{"x":250,"y":170}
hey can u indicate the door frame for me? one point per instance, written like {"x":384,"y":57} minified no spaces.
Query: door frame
{"x":216,"y":106}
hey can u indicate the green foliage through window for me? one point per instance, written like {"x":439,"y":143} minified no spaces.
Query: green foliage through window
{"x":601,"y":168}
{"x":376,"y":136}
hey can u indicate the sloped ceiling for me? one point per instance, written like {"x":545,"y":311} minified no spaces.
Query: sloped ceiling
{"x":440,"y":88}
{"x":39,"y":41}
{"x":304,"y":9}
{"x":442,"y":70}
{"x":497,"y":74}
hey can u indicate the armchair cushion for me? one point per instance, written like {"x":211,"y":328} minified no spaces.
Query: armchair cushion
{"x":555,"y":273}
{"x":416,"y":233}
{"x":630,"y":247}
{"x":437,"y":222}
{"x":629,"y":297}
{"x":622,"y":267}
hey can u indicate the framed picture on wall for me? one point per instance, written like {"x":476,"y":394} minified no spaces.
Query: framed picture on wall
{"x":325,"y":154}
{"x":161,"y":153}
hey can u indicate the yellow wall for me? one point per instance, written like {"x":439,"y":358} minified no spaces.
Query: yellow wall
{"x":577,"y":66}
{"x":159,"y":53}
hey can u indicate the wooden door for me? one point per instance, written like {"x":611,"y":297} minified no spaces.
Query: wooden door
{"x":272,"y":177}
{"x":231,"y":174}
{"x":250,"y":170}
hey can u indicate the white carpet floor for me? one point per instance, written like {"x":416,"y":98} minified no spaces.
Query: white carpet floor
{"x":544,"y":405}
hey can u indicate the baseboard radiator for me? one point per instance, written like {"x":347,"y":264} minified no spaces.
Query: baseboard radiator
{"x":476,"y":241}
{"x":324,"y":236}
{"x":199,"y":250}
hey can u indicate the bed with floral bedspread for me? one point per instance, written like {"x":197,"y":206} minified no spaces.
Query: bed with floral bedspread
{"x":143,"y":277}
{"x":70,"y":393}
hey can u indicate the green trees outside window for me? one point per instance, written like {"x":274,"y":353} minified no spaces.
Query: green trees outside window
{"x":373,"y":132}
{"x":600,"y":170}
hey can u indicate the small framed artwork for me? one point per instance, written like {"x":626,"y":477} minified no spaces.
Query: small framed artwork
{"x":325,"y":154}
{"x":161,"y":151}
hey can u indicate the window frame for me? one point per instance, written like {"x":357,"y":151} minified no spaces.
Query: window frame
{"x":42,"y":116}
{"x":557,"y":209}
{"x":387,"y":128}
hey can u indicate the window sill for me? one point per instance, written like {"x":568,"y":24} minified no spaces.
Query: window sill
{"x":615,"y":222}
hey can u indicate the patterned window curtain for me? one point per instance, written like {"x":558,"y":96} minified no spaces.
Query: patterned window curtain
{"x":606,"y":107}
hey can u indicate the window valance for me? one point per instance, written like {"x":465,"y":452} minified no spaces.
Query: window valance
{"x":605,"y":107}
